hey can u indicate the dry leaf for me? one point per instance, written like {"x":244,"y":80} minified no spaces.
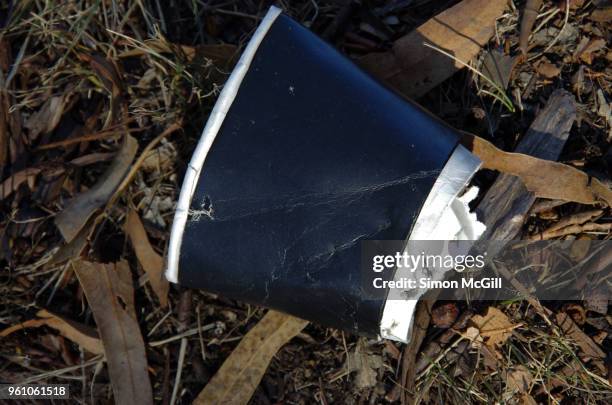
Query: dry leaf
{"x":587,"y":47}
{"x":473,"y":334}
{"x":80,"y":334}
{"x":48,"y":117}
{"x":151,"y":262}
{"x":601,"y":15}
{"x":365,"y":364}
{"x":573,"y":230}
{"x":80,"y":208}
{"x":240,"y":374}
{"x":477,"y":342}
{"x":518,"y":379}
{"x":544,"y":178}
{"x":73,"y":249}
{"x":580,"y":248}
{"x":526,"y":399}
{"x":91,"y":158}
{"x":567,"y":226}
{"x":12,"y":183}
{"x":498,"y":67}
{"x":577,"y":219}
{"x":586,"y":344}
{"x":548,"y":70}
{"x":530,"y":13}
{"x":108,"y":72}
{"x":444,"y":316}
{"x":495,"y":327}
{"x":413,"y":69}
{"x":110,"y":294}
{"x":604,"y":110}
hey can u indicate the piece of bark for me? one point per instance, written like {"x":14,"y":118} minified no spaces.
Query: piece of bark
{"x":503,"y":211}
{"x":507,"y":203}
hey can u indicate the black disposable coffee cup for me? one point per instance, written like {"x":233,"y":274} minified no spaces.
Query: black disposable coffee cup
{"x":303,"y":158}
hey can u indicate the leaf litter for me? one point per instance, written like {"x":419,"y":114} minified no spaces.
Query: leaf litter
{"x":128,"y":74}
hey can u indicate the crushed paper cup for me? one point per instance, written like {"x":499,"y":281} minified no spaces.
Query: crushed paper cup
{"x":303,"y":157}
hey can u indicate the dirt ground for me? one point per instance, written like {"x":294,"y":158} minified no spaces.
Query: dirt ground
{"x":78,"y":78}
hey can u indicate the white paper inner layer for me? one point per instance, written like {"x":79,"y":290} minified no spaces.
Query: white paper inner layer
{"x":444,"y":216}
{"x":225,"y":100}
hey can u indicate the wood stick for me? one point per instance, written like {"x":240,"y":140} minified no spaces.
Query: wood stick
{"x":507,"y":203}
{"x":503,"y":210}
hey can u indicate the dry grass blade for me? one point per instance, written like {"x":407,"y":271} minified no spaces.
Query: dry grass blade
{"x":240,"y":374}
{"x":151,"y":262}
{"x":110,"y":294}
{"x":80,"y":334}
{"x":80,"y":208}
{"x":500,"y":93}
